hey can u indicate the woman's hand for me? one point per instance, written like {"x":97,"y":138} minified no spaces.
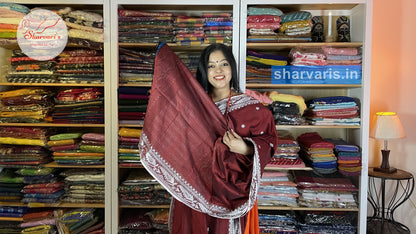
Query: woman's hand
{"x":236,"y":144}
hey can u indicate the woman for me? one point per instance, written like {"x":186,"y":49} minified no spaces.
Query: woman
{"x":214,"y":144}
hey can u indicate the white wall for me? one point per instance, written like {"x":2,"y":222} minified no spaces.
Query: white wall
{"x":393,"y":87}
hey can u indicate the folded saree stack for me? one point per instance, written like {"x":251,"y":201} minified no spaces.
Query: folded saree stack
{"x":189,"y":30}
{"x":128,"y":147}
{"x":140,"y":188}
{"x":145,"y":27}
{"x":259,"y":66}
{"x":218,"y":27}
{"x":10,"y":16}
{"x":277,"y":189}
{"x":348,"y":156}
{"x":79,"y":106}
{"x":85,"y":28}
{"x":43,"y":185}
{"x":80,"y":66}
{"x":287,"y":152}
{"x":142,"y":221}
{"x":132,"y":104}
{"x":262,"y":24}
{"x":333,"y":110}
{"x":26,"y":105}
{"x":81,"y":221}
{"x":287,"y":109}
{"x":43,"y":220}
{"x":25,"y":69}
{"x":327,"y":222}
{"x":295,"y":26}
{"x":83,"y":185}
{"x":136,"y":66}
{"x":11,"y":185}
{"x":278,"y":222}
{"x":23,"y":147}
{"x":77,"y":148}
{"x":317,"y":152}
{"x":329,"y":192}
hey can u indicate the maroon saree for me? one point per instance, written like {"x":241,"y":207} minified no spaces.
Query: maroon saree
{"x":181,"y":146}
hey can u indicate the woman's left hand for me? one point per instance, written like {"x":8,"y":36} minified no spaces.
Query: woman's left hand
{"x":236,"y":144}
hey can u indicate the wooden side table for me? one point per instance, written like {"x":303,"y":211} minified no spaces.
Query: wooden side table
{"x":382,"y":220}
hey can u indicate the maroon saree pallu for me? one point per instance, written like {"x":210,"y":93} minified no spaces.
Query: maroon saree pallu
{"x":181,"y":141}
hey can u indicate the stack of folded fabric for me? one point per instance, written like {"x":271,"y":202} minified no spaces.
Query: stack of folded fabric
{"x":85,"y":105}
{"x":128,"y":147}
{"x":295,"y":27}
{"x":342,"y":56}
{"x":331,"y":222}
{"x":39,"y":220}
{"x":11,"y":185}
{"x":160,"y":220}
{"x":13,"y":211}
{"x":349,"y":157}
{"x":132,"y":104}
{"x":328,"y":192}
{"x":263,"y":23}
{"x":27,"y":105}
{"x":277,"y":189}
{"x":11,"y":15}
{"x":7,"y":227}
{"x":140,"y":188}
{"x":287,"y":109}
{"x":286,"y":154}
{"x":333,"y":110}
{"x":82,"y":221}
{"x":284,"y":223}
{"x":81,"y":66}
{"x":218,"y":27}
{"x":144,"y":26}
{"x":135,"y":67}
{"x":43,"y":185}
{"x":84,"y":185}
{"x":78,"y":148}
{"x":307,"y":56}
{"x":190,"y":59}
{"x":23,"y":146}
{"x":135,"y":221}
{"x":85,"y":28}
{"x":25,"y":69}
{"x":189,"y":30}
{"x":63,"y":142}
{"x":318,"y":152}
{"x":259,"y":66}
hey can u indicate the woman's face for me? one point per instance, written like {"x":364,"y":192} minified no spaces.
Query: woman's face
{"x":219,"y":70}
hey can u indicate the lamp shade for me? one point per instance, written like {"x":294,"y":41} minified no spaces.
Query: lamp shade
{"x":387,"y":126}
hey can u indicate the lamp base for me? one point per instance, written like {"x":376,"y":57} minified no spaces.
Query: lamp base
{"x":389,"y":170}
{"x":385,"y":166}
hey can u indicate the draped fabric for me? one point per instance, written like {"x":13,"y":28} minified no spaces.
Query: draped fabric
{"x":181,"y":146}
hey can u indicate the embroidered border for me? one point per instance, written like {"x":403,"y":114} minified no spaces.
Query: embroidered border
{"x":184,"y":192}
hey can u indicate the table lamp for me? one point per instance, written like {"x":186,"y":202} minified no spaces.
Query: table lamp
{"x":387,"y":127}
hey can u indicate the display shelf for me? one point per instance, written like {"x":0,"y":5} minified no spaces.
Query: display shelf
{"x":288,"y":169}
{"x":131,"y":125}
{"x":51,"y":84}
{"x":280,"y":46}
{"x":305,"y":208}
{"x":316,"y":127}
{"x":302,"y":86}
{"x":55,"y":165}
{"x":53,"y":125}
{"x":12,"y":219}
{"x":145,"y":206}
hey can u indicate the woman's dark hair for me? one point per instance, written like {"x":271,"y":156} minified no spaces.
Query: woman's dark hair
{"x":202,"y":74}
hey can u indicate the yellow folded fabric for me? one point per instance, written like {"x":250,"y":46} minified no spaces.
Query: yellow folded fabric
{"x":130,"y":132}
{"x":61,"y":142}
{"x":295,"y":24}
{"x":20,"y":141}
{"x":281,"y":97}
{"x":128,"y":151}
{"x":267,"y":61}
